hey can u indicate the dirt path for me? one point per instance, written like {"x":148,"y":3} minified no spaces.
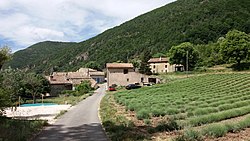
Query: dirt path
{"x":81,"y":122}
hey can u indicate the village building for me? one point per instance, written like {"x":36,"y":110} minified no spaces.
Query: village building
{"x":61,"y":81}
{"x":98,"y":76}
{"x":122,"y":74}
{"x":162,"y":65}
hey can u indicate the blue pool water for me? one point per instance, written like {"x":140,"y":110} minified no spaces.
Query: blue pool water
{"x":38,"y":104}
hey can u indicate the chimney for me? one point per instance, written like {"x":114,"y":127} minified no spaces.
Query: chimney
{"x":160,"y":58}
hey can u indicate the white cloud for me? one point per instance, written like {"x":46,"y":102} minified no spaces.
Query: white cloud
{"x":26,"y":22}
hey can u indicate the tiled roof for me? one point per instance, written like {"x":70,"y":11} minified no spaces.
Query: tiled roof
{"x":119,"y":65}
{"x":58,"y":79}
{"x":158,"y":60}
{"x":76,"y":75}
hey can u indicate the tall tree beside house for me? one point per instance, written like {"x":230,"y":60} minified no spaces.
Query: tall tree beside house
{"x":136,"y":62}
{"x":144,"y":66}
{"x":183,"y":53}
{"x":35,"y":85}
{"x":235,"y":47}
{"x":5,"y":55}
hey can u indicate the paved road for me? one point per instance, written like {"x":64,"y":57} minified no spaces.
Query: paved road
{"x":80,"y":123}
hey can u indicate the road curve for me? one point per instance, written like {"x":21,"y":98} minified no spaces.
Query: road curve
{"x":80,"y":123}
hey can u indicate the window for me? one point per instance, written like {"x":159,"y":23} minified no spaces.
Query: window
{"x":127,"y":79}
{"x":125,"y":71}
{"x":154,"y":66}
{"x":142,"y":79}
{"x":166,"y":66}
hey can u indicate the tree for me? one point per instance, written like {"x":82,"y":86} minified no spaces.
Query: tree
{"x":93,"y":65}
{"x":144,"y":67}
{"x":12,"y":83}
{"x":178,"y":55}
{"x":35,"y":84}
{"x":136,"y":62}
{"x":236,"y":46}
{"x":159,"y":54}
{"x":5,"y":55}
{"x":4,"y":98}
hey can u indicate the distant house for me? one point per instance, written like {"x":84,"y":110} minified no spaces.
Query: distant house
{"x":162,"y":65}
{"x":58,"y":84}
{"x":123,"y":74}
{"x":98,"y":76}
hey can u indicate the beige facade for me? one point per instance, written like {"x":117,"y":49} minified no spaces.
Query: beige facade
{"x":98,"y":76}
{"x":122,"y":74}
{"x":162,"y":65}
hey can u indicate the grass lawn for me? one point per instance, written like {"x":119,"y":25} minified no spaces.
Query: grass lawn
{"x":22,"y":130}
{"x":198,"y":106}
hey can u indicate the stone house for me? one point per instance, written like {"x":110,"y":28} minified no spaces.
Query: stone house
{"x":122,"y":74}
{"x":162,"y":65}
{"x":58,"y":84}
{"x":61,"y":81}
{"x":98,"y":76}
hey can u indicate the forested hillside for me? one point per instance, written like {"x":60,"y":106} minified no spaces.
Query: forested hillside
{"x":195,"y":21}
{"x":40,"y":56}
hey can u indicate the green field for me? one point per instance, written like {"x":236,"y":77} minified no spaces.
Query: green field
{"x":199,"y":102}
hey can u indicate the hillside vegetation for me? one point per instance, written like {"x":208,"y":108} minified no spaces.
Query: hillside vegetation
{"x":195,"y":21}
{"x":206,"y":104}
{"x":41,"y":56}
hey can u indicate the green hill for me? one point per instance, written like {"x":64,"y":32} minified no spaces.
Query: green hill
{"x":196,"y":21}
{"x":40,"y":55}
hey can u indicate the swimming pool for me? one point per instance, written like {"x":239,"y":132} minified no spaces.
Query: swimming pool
{"x":38,"y":104}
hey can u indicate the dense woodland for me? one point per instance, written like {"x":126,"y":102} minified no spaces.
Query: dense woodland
{"x":200,"y":22}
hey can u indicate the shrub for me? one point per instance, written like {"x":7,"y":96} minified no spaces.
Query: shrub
{"x":147,"y":121}
{"x":142,"y":114}
{"x":204,"y":111}
{"x":69,"y":92}
{"x":170,"y":125}
{"x":172,"y":111}
{"x":156,"y":112}
{"x":190,"y":135}
{"x":216,"y":130}
{"x":84,"y":87}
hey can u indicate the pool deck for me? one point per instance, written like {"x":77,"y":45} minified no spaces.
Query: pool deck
{"x":37,"y":112}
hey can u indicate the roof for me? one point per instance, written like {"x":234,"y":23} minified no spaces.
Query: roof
{"x":58,"y":79}
{"x":99,"y":73}
{"x":76,"y":75}
{"x":119,"y":65}
{"x":158,"y":60}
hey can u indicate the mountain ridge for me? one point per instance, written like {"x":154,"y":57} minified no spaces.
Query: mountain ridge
{"x":195,"y":21}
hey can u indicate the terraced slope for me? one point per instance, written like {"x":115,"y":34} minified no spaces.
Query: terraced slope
{"x":205,"y":103}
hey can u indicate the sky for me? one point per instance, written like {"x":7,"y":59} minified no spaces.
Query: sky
{"x":26,"y":22}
